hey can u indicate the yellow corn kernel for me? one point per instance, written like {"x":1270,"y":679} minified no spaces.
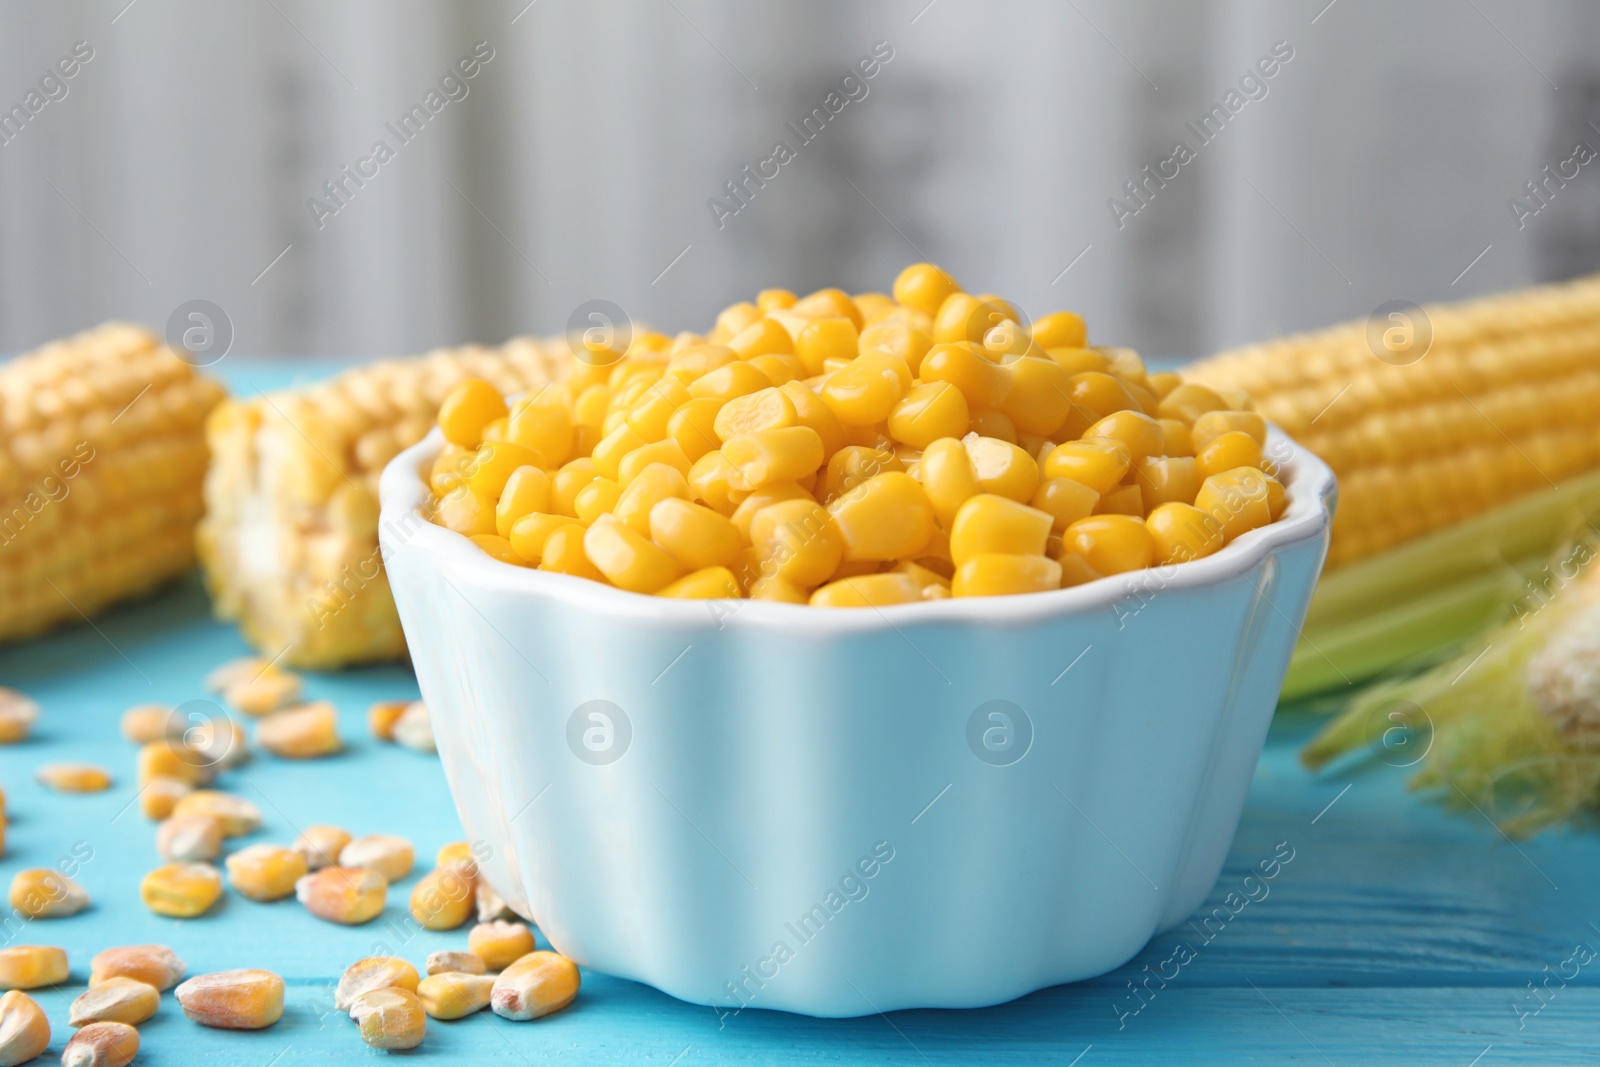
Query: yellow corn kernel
{"x":448,"y":962}
{"x":172,"y":759}
{"x":151,"y":722}
{"x":1126,"y":364}
{"x":348,"y":895}
{"x":1065,"y":501}
{"x":929,"y":411}
{"x":233,"y":1000}
{"x":101,"y":1044}
{"x":697,"y":360}
{"x":1002,"y":467}
{"x":567,"y":482}
{"x":1176,"y":438}
{"x":694,"y":535}
{"x":42,"y":893}
{"x":266,"y":691}
{"x":189,"y":839}
{"x":320,"y":845}
{"x":774,"y":300}
{"x":1100,"y":463}
{"x":500,"y":944}
{"x":1163,"y":383}
{"x":1076,"y":360}
{"x":650,"y":487}
{"x":765,"y":409}
{"x":900,"y":339}
{"x":32,"y":966}
{"x":496,"y":547}
{"x":964,"y":317}
{"x":597,"y":498}
{"x":666,"y":453}
{"x":852,"y":465}
{"x":887,"y":517}
{"x":935,"y":586}
{"x":373,"y":972}
{"x":693,"y":427}
{"x":868,"y":591}
{"x":154,"y":965}
{"x":1187,"y":402}
{"x":535,"y":985}
{"x":564,"y":554}
{"x":651,"y":414}
{"x":265,"y":872}
{"x":1238,"y":499}
{"x":1123,"y":500}
{"x":729,"y":381}
{"x":1232,"y":449}
{"x":822,"y":340}
{"x":24,"y":1029}
{"x":778,"y":590}
{"x":389,"y":855}
{"x":628,"y":559}
{"x":494,"y":463}
{"x":1098,"y":394}
{"x":1213,"y":424}
{"x":468,"y":408}
{"x":115,"y":1000}
{"x":528,"y":538}
{"x":1182,"y":532}
{"x":865,"y":390}
{"x":1111,"y":544}
{"x":382,"y":716}
{"x":796,"y":540}
{"x":526,"y":491}
{"x":181,"y":890}
{"x":609,"y":451}
{"x":1075,"y":570}
{"x":992,"y":423}
{"x":983,"y":382}
{"x":1139,"y":432}
{"x":464,"y":511}
{"x":733,"y":319}
{"x":924,"y":287}
{"x":454,"y":994}
{"x":443,"y":898}
{"x":828,"y":303}
{"x":18,"y":714}
{"x":766,"y":457}
{"x":810,"y":410}
{"x":999,"y":574}
{"x":708,"y":583}
{"x":1277,"y":500}
{"x":1039,"y":399}
{"x":73,"y":777}
{"x":307,"y":732}
{"x":948,"y":477}
{"x":989,"y":524}
{"x":762,"y":337}
{"x":1060,"y":329}
{"x":1161,"y":481}
{"x":543,"y":425}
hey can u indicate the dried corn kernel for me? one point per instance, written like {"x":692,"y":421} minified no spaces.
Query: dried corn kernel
{"x":320,"y":845}
{"x":115,"y":1000}
{"x":455,"y":963}
{"x":390,"y":1018}
{"x":74,"y":777}
{"x":535,"y":985}
{"x":24,"y":1030}
{"x":500,"y":944}
{"x":265,"y":872}
{"x":414,"y":729}
{"x":237,"y":815}
{"x":443,"y":898}
{"x":455,"y":995}
{"x":265,"y":692}
{"x":181,"y":890}
{"x":42,"y":893}
{"x":18,"y":714}
{"x":154,"y":965}
{"x":374,"y":972}
{"x":165,"y":758}
{"x":235,"y":670}
{"x":233,"y":1000}
{"x":189,"y":838}
{"x":151,"y":722}
{"x":102,"y":1044}
{"x":491,"y":905}
{"x":1111,"y":544}
{"x":348,"y":895}
{"x":309,"y":731}
{"x":382,"y":716}
{"x":390,"y":856}
{"x":32,"y":966}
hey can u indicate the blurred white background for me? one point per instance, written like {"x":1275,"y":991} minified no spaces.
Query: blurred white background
{"x":1377,"y":165}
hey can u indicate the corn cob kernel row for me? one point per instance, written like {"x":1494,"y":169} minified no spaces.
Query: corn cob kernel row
{"x":1500,"y":403}
{"x":102,"y":459}
{"x":289,"y":539}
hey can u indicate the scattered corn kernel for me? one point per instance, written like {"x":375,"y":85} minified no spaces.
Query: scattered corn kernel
{"x":309,"y":731}
{"x":455,"y":963}
{"x":181,"y":890}
{"x":265,"y":872}
{"x":154,"y":965}
{"x":374,"y":972}
{"x":500,"y":944}
{"x":151,"y":722}
{"x":491,"y":905}
{"x":236,"y":815}
{"x":390,"y":1018}
{"x":348,"y":895}
{"x":166,"y":758}
{"x":42,"y":893}
{"x":455,"y":994}
{"x":102,"y":1044}
{"x":390,"y":856}
{"x":24,"y":1030}
{"x":264,"y":693}
{"x":74,"y":777}
{"x":320,"y":845}
{"x":18,"y":714}
{"x":32,"y":966}
{"x":382,"y":716}
{"x":535,"y":985}
{"x":115,"y":1000}
{"x":413,"y":729}
{"x":443,"y":898}
{"x":189,"y":839}
{"x":233,"y":1000}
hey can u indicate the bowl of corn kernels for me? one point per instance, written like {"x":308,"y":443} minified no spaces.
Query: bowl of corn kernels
{"x":774,"y":660}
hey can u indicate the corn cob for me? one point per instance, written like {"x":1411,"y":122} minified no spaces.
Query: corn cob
{"x":102,"y":457}
{"x":1501,"y":404}
{"x":289,"y":541}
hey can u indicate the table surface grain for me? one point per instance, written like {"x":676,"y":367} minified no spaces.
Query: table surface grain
{"x":1396,"y":934}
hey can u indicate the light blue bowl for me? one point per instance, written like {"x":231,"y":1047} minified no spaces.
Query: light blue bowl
{"x":841,"y":812}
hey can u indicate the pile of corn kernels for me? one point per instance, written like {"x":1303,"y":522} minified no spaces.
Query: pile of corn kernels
{"x":336,"y":877}
{"x":855,"y":451}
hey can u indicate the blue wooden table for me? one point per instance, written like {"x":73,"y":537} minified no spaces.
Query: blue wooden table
{"x":1394,"y":934}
